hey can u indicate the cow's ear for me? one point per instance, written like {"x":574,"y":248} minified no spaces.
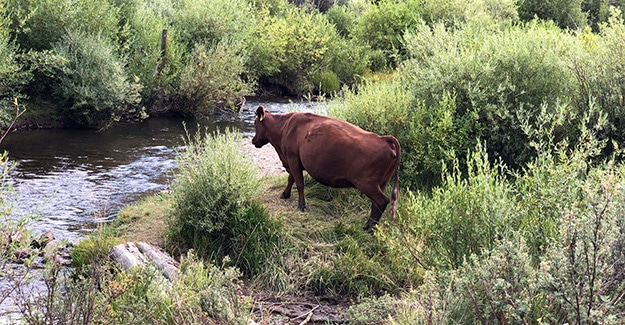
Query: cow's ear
{"x":260,"y":112}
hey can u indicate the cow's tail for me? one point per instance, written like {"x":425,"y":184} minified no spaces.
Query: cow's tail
{"x":395,"y":193}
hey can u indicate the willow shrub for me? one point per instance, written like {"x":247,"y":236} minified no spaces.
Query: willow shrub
{"x":214,"y":211}
{"x":290,"y":49}
{"x":464,"y":216}
{"x":142,"y":46}
{"x":565,"y":13}
{"x":13,"y":77}
{"x":579,"y":274}
{"x":499,"y":72}
{"x":100,"y":293}
{"x":206,"y":21}
{"x":382,"y":26}
{"x":212,"y":78}
{"x":454,"y":13}
{"x":582,"y":272}
{"x":94,"y":86}
{"x":546,"y":243}
{"x":38,"y":24}
{"x":599,"y":78}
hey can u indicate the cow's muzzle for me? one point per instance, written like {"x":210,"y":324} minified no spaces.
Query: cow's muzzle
{"x":258,"y":144}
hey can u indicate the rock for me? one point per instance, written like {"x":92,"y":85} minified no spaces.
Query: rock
{"x":43,"y":240}
{"x":22,"y":255}
{"x":127,"y":256}
{"x":57,"y":251}
{"x":130,"y":256}
{"x":16,"y":237}
{"x":165,"y":263}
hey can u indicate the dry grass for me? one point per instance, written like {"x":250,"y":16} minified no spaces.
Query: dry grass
{"x":146,"y":220}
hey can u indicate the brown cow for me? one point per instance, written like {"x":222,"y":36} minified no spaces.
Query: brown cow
{"x":334,"y":153}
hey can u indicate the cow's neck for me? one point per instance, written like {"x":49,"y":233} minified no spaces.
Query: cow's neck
{"x":278,"y":122}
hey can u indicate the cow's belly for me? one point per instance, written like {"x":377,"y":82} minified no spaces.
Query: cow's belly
{"x":331,"y":181}
{"x":338,"y":183}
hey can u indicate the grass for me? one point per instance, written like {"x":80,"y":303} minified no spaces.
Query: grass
{"x":331,"y":216}
{"x":324,"y":206}
{"x":146,"y":220}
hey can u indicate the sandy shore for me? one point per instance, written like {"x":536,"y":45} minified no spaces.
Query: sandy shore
{"x":265,"y":158}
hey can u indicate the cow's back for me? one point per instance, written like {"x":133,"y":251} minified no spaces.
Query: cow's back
{"x":337,"y":153}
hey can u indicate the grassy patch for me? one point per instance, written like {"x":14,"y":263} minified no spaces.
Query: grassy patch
{"x":329,"y":253}
{"x":146,"y":220}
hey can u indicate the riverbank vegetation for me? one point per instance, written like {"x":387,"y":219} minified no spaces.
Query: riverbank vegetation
{"x":510,"y":117}
{"x":90,"y":63}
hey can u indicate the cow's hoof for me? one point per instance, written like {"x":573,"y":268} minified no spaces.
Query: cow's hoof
{"x":285,"y":196}
{"x":369,"y":227}
{"x":302,"y":208}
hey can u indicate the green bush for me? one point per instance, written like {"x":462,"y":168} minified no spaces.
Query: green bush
{"x":500,"y":288}
{"x":549,"y":185}
{"x":464,"y":216}
{"x":350,"y":61}
{"x":327,"y":81}
{"x":498,"y":73}
{"x":142,"y":46}
{"x":287,"y":50}
{"x":13,"y":77}
{"x":94,"y":87}
{"x":39,"y":24}
{"x":455,"y":13}
{"x":599,"y":80}
{"x":213,"y":78}
{"x":100,"y":293}
{"x":343,"y":19}
{"x":204,"y":21}
{"x":214,"y":211}
{"x":569,"y":213}
{"x":383,"y":25}
{"x":582,"y":272}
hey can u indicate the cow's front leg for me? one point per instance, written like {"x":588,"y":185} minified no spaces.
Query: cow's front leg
{"x":287,"y":191}
{"x":298,"y":177}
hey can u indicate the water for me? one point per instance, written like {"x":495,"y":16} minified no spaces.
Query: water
{"x":74,"y":180}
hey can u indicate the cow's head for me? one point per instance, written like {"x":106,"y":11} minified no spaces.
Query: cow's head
{"x":260,"y":138}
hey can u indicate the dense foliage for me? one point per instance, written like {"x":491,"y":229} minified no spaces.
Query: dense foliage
{"x":188,"y":57}
{"x":216,"y":52}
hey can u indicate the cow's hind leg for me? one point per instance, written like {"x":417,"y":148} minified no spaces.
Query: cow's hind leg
{"x":289,"y":185}
{"x":379,"y":201}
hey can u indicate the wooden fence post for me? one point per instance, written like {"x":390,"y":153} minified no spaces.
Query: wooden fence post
{"x":161,"y":66}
